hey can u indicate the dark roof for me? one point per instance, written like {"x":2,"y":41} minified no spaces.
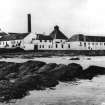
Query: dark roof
{"x":14,"y":36}
{"x":57,"y":34}
{"x":81,"y":37}
{"x":43,"y":37}
{"x":3,"y":34}
{"x":77,"y":37}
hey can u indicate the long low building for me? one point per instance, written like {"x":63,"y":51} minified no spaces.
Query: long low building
{"x":56,"y":40}
{"x":84,"y":42}
{"x":17,"y":40}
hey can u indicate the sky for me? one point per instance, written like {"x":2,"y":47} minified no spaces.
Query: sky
{"x":72,"y":16}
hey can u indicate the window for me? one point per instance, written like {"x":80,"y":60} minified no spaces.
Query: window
{"x":45,"y":40}
{"x":39,"y":46}
{"x":56,"y":45}
{"x":93,"y":43}
{"x":89,"y":43}
{"x":33,"y":38}
{"x":68,"y":45}
{"x":84,"y":44}
{"x":104,"y":43}
{"x":62,"y":46}
{"x":49,"y":46}
{"x":42,"y":46}
{"x":40,"y":40}
{"x":80,"y":43}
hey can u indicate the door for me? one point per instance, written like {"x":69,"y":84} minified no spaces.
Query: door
{"x":36,"y":47}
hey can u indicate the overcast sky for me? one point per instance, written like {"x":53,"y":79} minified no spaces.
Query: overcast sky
{"x":73,"y":16}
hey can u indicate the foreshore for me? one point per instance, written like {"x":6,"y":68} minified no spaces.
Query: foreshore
{"x":18,"y":79}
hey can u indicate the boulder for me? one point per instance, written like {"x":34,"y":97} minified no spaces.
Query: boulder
{"x":92,"y":71}
{"x":46,"y":68}
{"x":30,"y":67}
{"x":58,"y":71}
{"x":38,"y":82}
{"x":75,"y":58}
{"x":73,"y":71}
{"x":7,"y":68}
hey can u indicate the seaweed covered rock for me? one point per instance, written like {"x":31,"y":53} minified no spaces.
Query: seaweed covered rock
{"x":30,"y":67}
{"x":38,"y":82}
{"x":5,"y":90}
{"x":92,"y":71}
{"x":46,"y":68}
{"x":73,"y":71}
{"x":58,"y":71}
{"x":6,"y":68}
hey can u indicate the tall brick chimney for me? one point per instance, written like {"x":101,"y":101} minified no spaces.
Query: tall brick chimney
{"x":29,"y":23}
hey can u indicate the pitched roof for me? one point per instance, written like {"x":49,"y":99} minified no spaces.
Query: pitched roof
{"x":81,"y":37}
{"x":14,"y":36}
{"x":57,"y":34}
{"x":3,"y":34}
{"x":43,"y":37}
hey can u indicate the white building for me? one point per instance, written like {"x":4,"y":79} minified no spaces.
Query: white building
{"x":55,"y":41}
{"x":15,"y":40}
{"x":82,"y":42}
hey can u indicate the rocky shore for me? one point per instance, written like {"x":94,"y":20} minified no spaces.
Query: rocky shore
{"x":17,"y":79}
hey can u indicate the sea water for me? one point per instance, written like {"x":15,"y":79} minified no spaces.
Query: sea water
{"x":81,"y":92}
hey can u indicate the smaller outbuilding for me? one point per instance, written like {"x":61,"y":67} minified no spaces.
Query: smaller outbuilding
{"x":15,"y":40}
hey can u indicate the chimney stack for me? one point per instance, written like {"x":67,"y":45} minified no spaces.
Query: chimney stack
{"x":29,"y":23}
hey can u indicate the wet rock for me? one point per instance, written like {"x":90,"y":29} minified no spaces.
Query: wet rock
{"x":75,"y":58}
{"x":73,"y":71}
{"x":46,"y":68}
{"x":92,"y":71}
{"x":11,"y":76}
{"x":6,"y":68}
{"x":38,"y":82}
{"x":30,"y":67}
{"x":5,"y":90}
{"x":58,"y":71}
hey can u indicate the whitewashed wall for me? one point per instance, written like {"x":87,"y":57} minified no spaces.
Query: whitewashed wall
{"x":28,"y":47}
{"x":89,"y":45}
{"x":27,"y":42}
{"x":9,"y":43}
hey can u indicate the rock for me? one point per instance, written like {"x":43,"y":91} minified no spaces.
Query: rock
{"x":92,"y":71}
{"x":58,"y":71}
{"x":5,"y":90}
{"x":75,"y":58}
{"x":88,"y":58}
{"x":6,"y":68}
{"x":48,"y":81}
{"x":38,"y":82}
{"x":73,"y":71}
{"x":11,"y":76}
{"x":30,"y":67}
{"x":46,"y":68}
{"x":4,"y":84}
